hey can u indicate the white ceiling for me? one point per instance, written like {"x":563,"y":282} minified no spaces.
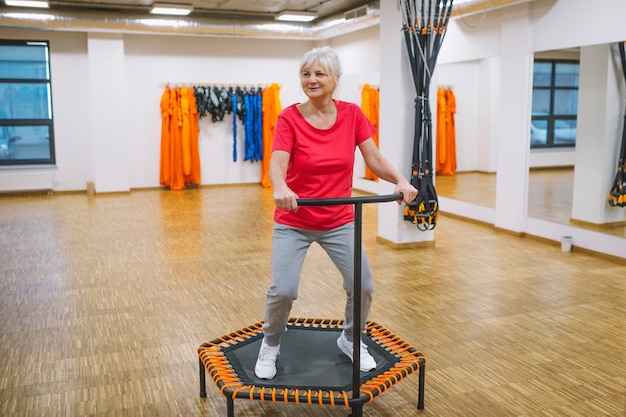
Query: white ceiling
{"x":227,"y":9}
{"x":247,"y":18}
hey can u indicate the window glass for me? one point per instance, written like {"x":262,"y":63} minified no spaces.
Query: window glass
{"x":554,"y":104}
{"x":566,"y":102}
{"x":539,"y":133}
{"x":564,"y":132}
{"x":542,"y":74}
{"x":29,"y":61}
{"x":24,"y":143}
{"x":541,"y":102}
{"x":25,"y":101}
{"x":566,"y":75}
{"x":26,"y":124}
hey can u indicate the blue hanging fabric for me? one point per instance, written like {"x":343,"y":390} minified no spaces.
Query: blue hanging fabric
{"x":234,"y":95}
{"x":248,"y":118}
{"x":259,"y":125}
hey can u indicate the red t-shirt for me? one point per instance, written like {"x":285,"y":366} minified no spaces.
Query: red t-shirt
{"x":321,"y":163}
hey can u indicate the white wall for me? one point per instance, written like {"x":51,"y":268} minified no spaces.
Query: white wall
{"x":153,"y":61}
{"x":149,"y":62}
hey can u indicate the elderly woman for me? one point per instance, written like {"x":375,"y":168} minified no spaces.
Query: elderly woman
{"x":313,"y":157}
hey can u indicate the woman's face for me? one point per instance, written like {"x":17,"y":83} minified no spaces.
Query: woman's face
{"x":316,"y":81}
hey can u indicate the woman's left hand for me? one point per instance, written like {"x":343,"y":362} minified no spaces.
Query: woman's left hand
{"x":409,"y":193}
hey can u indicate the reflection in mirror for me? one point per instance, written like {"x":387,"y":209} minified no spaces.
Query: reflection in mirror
{"x":475,"y":98}
{"x":550,"y":192}
{"x":470,"y":187}
{"x":553,"y":139}
{"x":553,"y":135}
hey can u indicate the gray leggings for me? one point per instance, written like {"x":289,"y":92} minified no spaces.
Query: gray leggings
{"x":289,"y":247}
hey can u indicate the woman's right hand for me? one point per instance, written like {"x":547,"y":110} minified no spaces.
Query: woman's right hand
{"x":285,"y":199}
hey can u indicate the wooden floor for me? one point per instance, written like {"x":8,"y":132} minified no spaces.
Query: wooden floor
{"x":104,"y":301}
{"x":550,"y":195}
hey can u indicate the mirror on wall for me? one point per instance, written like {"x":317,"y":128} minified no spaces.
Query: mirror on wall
{"x":553,"y":134}
{"x":475,"y":100}
{"x":554,"y":108}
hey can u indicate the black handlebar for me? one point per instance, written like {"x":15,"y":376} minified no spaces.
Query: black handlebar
{"x":358,"y":214}
{"x":348,"y":200}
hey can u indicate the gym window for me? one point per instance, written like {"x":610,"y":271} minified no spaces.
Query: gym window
{"x":555,"y":104}
{"x":26,"y":128}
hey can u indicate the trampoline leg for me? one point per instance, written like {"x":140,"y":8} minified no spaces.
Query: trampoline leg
{"x":230,"y":406}
{"x":422,"y":382}
{"x":357,"y":411}
{"x":202,"y":380}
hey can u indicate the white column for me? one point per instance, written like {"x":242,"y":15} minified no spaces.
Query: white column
{"x":397,"y":109}
{"x":109,"y":121}
{"x":514,"y":123}
{"x":598,"y":136}
{"x":489,"y":114}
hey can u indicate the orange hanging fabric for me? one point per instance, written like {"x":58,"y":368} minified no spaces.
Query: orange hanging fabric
{"x":194,"y":132}
{"x":451,"y":130}
{"x":370,"y":103}
{"x":445,"y":132}
{"x":164,"y":172}
{"x":177,"y":181}
{"x":271,"y":110}
{"x":180,"y":155}
{"x":185,"y":138}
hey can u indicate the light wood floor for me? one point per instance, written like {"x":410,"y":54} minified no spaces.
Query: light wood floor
{"x":550,"y":195}
{"x":104,"y":301}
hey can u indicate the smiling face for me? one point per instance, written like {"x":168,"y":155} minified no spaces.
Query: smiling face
{"x":317,"y":81}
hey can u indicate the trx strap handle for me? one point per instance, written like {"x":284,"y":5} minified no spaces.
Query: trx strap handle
{"x":424,"y":210}
{"x":424,"y":24}
{"x":617,"y":195}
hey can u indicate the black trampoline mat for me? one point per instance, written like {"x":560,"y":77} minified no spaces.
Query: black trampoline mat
{"x":309,"y":359}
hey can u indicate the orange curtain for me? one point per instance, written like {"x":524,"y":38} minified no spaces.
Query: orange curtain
{"x":271,"y":110}
{"x":370,"y":102}
{"x":446,"y":132}
{"x":180,"y":157}
{"x":164,"y":172}
{"x":193,"y":177}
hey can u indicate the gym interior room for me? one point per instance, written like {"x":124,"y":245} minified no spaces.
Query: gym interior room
{"x":112,"y":278}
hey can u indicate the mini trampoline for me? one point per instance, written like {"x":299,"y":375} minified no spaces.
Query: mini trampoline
{"x":312,"y":369}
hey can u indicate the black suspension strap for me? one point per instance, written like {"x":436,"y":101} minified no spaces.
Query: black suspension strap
{"x":617,"y":196}
{"x":424,"y":23}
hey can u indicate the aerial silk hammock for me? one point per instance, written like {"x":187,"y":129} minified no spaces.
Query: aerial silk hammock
{"x":180,"y":156}
{"x":424,"y":23}
{"x":370,"y":103}
{"x":271,"y":109}
{"x":617,"y":196}
{"x":446,"y":135}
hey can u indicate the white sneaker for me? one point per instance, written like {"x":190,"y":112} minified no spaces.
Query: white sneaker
{"x":265,"y":367}
{"x":367,"y":361}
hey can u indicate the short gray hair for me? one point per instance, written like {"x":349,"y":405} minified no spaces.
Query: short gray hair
{"x":326,"y":57}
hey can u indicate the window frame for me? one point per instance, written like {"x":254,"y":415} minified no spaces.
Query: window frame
{"x":551,"y":118}
{"x":46,"y":122}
